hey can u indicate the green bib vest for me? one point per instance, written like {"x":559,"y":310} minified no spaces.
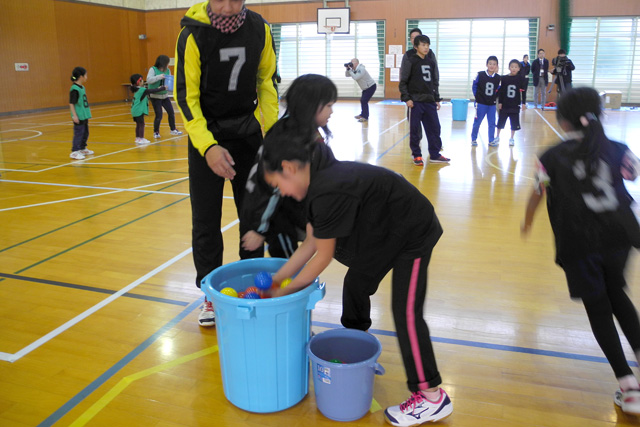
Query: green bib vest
{"x":159,"y":82}
{"x":139,"y":106}
{"x":82,"y":106}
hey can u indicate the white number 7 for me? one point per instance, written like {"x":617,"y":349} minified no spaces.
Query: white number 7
{"x":225,"y":55}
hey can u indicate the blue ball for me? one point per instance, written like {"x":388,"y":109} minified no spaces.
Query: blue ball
{"x":251,"y":295}
{"x":262,"y":281}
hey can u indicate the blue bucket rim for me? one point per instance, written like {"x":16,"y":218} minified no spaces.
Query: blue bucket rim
{"x":346,"y":331}
{"x":302,"y":293}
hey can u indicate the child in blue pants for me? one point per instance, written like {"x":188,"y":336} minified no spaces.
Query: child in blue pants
{"x":485,"y":89}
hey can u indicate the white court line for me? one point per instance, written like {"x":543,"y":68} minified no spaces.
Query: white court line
{"x":38,"y":133}
{"x":135,"y":189}
{"x":12,"y":357}
{"x":87,"y":161}
{"x":552,"y":128}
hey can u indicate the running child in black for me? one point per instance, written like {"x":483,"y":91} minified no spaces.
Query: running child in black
{"x":80,"y":114}
{"x":510,"y":98}
{"x":485,"y":90}
{"x":352,"y":213}
{"x":419,"y":89}
{"x":140,"y":105}
{"x":590,"y":213}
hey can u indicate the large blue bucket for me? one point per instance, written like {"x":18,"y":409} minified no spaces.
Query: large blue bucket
{"x":344,"y":391}
{"x":261,"y":343}
{"x":460,"y":107}
{"x":168,"y":82}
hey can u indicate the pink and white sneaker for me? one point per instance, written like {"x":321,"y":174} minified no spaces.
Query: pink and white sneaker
{"x":628,"y":401}
{"x":418,"y":409}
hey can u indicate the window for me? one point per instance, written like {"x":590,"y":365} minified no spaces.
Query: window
{"x":463,"y":46}
{"x":301,"y":50}
{"x":606,"y":53}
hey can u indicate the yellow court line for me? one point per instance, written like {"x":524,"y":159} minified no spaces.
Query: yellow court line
{"x":124,"y":383}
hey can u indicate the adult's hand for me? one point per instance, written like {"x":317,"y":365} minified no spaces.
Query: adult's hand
{"x":220,"y":162}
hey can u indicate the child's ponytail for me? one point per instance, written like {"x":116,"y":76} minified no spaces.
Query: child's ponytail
{"x":582,"y":108}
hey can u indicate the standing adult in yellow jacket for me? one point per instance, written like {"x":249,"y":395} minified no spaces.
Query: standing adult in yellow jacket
{"x":225,"y":75}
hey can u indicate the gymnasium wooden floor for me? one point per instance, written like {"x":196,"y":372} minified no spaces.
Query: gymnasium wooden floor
{"x":98,"y":305}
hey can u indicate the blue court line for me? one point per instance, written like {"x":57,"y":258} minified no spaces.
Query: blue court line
{"x":392,"y":147}
{"x":500,"y":347}
{"x":92,"y":289}
{"x":64,"y":409}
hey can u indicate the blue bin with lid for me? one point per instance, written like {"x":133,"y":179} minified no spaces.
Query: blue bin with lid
{"x":460,"y":107}
{"x":261,"y":343}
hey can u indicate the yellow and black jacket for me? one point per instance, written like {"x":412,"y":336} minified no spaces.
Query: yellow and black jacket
{"x":224,"y":80}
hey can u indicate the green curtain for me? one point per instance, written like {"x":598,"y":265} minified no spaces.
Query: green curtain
{"x":381,"y":50}
{"x":564,"y":22}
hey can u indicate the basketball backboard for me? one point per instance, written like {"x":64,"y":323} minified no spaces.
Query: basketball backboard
{"x":333,"y":20}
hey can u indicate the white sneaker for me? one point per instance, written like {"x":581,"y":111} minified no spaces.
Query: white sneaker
{"x":142,"y":141}
{"x":176,"y":132}
{"x":628,"y":401}
{"x":512,"y":142}
{"x":77,"y":155}
{"x":86,"y":152}
{"x":207,"y":316}
{"x":156,"y":135}
{"x":497,"y":139}
{"x":418,"y":409}
{"x":474,"y":143}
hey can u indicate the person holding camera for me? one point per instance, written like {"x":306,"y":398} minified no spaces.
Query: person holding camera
{"x":562,"y":68}
{"x":357,"y":71}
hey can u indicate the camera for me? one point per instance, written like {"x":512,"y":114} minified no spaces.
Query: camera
{"x":349,"y":65}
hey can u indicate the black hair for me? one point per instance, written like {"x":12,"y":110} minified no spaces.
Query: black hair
{"x":540,"y":50}
{"x":134,"y":81}
{"x":284,"y":141}
{"x":562,"y":52}
{"x":579,"y":106}
{"x":415,"y":30}
{"x":492,"y":58}
{"x":162,"y":62}
{"x":525,"y":56}
{"x":305,"y":96}
{"x":515,"y":61}
{"x":421,"y":39}
{"x":77,"y":73}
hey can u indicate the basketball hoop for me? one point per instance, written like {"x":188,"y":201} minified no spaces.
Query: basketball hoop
{"x":330,"y":29}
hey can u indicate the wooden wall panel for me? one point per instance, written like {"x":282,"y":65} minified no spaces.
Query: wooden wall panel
{"x":28,"y":34}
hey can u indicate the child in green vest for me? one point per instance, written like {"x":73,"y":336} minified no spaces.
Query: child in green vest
{"x":80,"y":114}
{"x":140,"y":105}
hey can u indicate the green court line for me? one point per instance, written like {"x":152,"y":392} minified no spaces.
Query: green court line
{"x":98,"y":236}
{"x":84,"y":219}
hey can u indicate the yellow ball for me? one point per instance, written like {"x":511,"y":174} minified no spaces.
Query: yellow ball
{"x":230,"y":292}
{"x":285,"y":283}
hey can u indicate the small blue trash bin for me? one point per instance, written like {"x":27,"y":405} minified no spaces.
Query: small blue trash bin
{"x":460,"y":107}
{"x":344,"y":391}
{"x":168,"y":82}
{"x":261,"y":343}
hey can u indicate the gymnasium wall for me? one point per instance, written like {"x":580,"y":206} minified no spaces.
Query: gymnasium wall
{"x":54,"y":36}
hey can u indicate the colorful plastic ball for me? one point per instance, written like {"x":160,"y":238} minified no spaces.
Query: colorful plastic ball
{"x":230,"y":292}
{"x":262,"y":280}
{"x":251,"y":289}
{"x":285,"y":283}
{"x":335,"y":361}
{"x":241,"y":294}
{"x":251,"y":295}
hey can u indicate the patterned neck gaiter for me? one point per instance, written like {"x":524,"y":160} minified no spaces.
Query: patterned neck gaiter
{"x":227,"y":24}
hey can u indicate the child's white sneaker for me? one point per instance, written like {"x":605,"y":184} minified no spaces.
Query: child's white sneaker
{"x":628,"y":401}
{"x":86,"y":152}
{"x":474,"y":143}
{"x":176,"y":132}
{"x":77,"y":155}
{"x":496,"y":140}
{"x":142,"y":141}
{"x":156,"y":135}
{"x":512,"y":142}
{"x":418,"y":409}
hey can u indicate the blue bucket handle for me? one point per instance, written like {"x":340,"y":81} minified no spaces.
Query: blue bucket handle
{"x":245,"y":313}
{"x":379,"y":369}
{"x":316,"y":295}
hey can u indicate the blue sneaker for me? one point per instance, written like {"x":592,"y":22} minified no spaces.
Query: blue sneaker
{"x":493,"y":143}
{"x":418,"y":409}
